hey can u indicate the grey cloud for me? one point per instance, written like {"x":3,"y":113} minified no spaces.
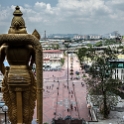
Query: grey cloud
{"x":80,"y":14}
{"x":115,"y":4}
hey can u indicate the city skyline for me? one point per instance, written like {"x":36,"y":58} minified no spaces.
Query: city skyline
{"x":66,"y":16}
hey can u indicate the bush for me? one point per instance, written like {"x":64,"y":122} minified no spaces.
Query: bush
{"x":62,"y":61}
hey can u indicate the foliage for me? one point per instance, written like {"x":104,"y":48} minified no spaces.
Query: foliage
{"x":89,"y":45}
{"x":110,"y":42}
{"x":122,"y":49}
{"x":55,"y":46}
{"x":84,"y":52}
{"x":62,"y":60}
{"x":98,"y":44}
{"x":102,"y":82}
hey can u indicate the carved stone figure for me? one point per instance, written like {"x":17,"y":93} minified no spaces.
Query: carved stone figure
{"x":19,"y":86}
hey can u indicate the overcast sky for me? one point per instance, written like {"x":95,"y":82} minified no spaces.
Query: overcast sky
{"x":66,"y":16}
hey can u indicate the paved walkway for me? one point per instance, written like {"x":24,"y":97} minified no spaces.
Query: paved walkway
{"x":59,"y":100}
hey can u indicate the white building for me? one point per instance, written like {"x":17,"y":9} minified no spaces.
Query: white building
{"x":52,"y":57}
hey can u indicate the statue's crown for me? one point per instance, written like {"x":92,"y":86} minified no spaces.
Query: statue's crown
{"x":18,"y":23}
{"x":17,"y":11}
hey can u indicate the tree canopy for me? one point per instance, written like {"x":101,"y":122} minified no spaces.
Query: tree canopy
{"x":102,"y":82}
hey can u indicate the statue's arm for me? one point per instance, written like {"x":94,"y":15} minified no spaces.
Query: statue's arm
{"x":2,"y":58}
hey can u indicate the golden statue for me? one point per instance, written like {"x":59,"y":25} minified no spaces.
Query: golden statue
{"x":19,"y":86}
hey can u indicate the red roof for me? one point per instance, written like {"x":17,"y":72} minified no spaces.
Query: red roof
{"x":46,"y":59}
{"x":52,"y":51}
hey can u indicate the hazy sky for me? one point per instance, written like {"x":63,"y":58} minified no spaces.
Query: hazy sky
{"x":66,"y":16}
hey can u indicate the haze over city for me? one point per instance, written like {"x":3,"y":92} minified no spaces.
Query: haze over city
{"x":66,"y":16}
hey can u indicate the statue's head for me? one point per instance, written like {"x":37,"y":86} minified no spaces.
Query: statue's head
{"x":18,"y":23}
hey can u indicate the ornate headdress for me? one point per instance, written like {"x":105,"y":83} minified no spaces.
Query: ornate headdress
{"x":18,"y":23}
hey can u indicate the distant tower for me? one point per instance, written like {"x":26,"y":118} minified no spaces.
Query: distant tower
{"x":45,"y":35}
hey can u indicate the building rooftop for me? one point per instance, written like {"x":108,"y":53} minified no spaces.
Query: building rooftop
{"x":52,"y":51}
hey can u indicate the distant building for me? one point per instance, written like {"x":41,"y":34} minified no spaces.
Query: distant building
{"x":52,"y":56}
{"x":112,"y":36}
{"x":94,"y":37}
{"x":77,"y":37}
{"x":87,"y":37}
{"x":50,"y":45}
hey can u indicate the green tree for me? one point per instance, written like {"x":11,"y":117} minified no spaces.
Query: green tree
{"x":110,"y":42}
{"x":98,"y":44}
{"x":56,"y":46}
{"x":81,"y":54}
{"x":62,"y":60}
{"x":102,"y":82}
{"x":89,"y":45}
{"x":84,"y":53}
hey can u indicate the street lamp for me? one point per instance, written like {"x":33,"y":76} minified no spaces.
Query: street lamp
{"x":5,"y":109}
